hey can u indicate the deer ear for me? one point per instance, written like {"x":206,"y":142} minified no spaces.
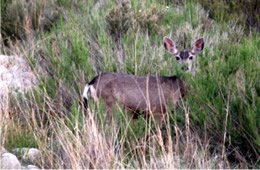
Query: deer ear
{"x":170,"y":45}
{"x":198,"y":46}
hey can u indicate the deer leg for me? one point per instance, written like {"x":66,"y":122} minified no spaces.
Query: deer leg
{"x":162,"y":116}
{"x":135,"y":115}
{"x":109,"y":105}
{"x":109,"y":115}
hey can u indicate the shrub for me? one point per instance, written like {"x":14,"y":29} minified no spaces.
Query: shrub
{"x":243,"y":12}
{"x":21,"y":17}
{"x":122,"y":17}
{"x":119,"y":19}
{"x":150,"y":19}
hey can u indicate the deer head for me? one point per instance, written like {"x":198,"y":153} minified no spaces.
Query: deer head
{"x":186,"y":58}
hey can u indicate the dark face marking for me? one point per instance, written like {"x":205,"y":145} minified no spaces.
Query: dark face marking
{"x":184,"y":55}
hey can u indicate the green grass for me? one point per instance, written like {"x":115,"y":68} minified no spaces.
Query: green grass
{"x":222,"y":104}
{"x":230,"y":87}
{"x":18,"y":138}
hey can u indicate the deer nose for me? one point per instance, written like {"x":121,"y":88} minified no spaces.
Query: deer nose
{"x":184,"y":67}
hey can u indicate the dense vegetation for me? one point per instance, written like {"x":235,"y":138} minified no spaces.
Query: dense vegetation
{"x":68,"y":42}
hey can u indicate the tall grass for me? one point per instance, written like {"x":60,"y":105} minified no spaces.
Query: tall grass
{"x":216,"y":127}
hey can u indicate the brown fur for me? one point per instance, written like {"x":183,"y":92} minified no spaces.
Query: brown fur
{"x":148,"y":94}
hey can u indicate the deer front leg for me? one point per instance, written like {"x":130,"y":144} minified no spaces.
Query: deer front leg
{"x":109,"y":106}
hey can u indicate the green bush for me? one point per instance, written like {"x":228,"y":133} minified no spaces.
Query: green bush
{"x":240,"y":11}
{"x":21,"y":17}
{"x":230,"y":87}
{"x":150,"y":19}
{"x":119,"y":19}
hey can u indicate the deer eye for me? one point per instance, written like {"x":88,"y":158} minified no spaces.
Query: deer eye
{"x":191,"y":57}
{"x":177,"y":58}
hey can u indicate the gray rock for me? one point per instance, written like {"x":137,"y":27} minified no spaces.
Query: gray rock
{"x":32,"y":167}
{"x":15,"y":73}
{"x":31,"y":155}
{"x":9,"y":161}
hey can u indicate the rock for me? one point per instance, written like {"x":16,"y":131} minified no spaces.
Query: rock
{"x":32,"y":167}
{"x":15,"y":73}
{"x":31,"y":155}
{"x":29,"y":167}
{"x":9,"y":161}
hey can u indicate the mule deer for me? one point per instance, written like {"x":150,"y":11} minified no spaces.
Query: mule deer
{"x":147,"y":94}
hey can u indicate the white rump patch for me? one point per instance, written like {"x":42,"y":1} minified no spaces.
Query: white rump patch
{"x":85,"y":92}
{"x":89,"y":90}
